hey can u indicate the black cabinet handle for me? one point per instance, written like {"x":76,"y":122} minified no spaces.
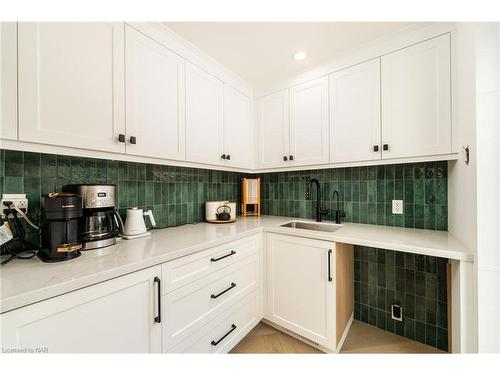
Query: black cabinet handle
{"x":222,"y":257}
{"x":215,"y":343}
{"x":329,"y":266}
{"x":133,"y":140}
{"x":375,"y":148}
{"x":228,"y":157}
{"x":291,"y":157}
{"x":223,"y":156}
{"x":285,"y":158}
{"x":214,"y":296}
{"x":385,"y":147}
{"x":158,"y":317}
{"x":121,"y":138}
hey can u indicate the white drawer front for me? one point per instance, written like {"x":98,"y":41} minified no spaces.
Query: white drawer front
{"x":194,"y":305}
{"x":225,"y":330}
{"x":187,"y":269}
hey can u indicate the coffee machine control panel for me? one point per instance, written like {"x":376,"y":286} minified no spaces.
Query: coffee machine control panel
{"x":96,"y":199}
{"x":95,"y":196}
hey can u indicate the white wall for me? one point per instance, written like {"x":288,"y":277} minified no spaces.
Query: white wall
{"x":488,"y":185}
{"x":462,"y":185}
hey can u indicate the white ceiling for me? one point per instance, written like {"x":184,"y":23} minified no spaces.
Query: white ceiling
{"x":261,"y":52}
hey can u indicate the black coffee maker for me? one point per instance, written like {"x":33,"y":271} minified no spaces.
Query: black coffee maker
{"x":61,"y":213}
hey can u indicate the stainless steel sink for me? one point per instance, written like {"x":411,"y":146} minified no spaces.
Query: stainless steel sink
{"x":322,"y":227}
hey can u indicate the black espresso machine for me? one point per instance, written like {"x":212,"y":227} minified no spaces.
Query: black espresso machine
{"x":61,"y":214}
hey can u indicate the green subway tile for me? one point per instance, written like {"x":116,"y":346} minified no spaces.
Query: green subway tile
{"x":13,"y":185}
{"x":132,"y":193}
{"x":408,"y":191}
{"x":32,"y":165}
{"x":372,"y":173}
{"x":441,"y":217}
{"x":430,"y":170}
{"x":408,"y":172}
{"x":389,"y":172}
{"x":372,"y":213}
{"x":157,"y":193}
{"x":363,"y":213}
{"x":372,"y":191}
{"x":122,"y":194}
{"x":441,"y":169}
{"x":381,"y":191}
{"x":122,"y":171}
{"x":363,"y":191}
{"x":132,"y":171}
{"x":141,"y":193}
{"x":419,"y":192}
{"x":113,"y":168}
{"x":441,"y":191}
{"x":430,"y":191}
{"x":380,"y":172}
{"x":389,"y":190}
{"x":399,"y":189}
{"x":419,"y":170}
{"x":14,"y":163}
{"x":48,"y":165}
{"x":380,"y":214}
{"x":430,"y":217}
{"x":164,"y":193}
{"x":149,"y":192}
{"x":141,"y":172}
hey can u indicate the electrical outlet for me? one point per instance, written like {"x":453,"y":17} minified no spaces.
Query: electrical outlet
{"x":397,"y":313}
{"x":397,"y":206}
{"x":18,"y":200}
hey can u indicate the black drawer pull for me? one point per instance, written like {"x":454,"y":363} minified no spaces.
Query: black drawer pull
{"x":222,"y":257}
{"x":214,"y":296}
{"x":375,"y":148}
{"x":385,"y":147}
{"x":215,"y":343}
{"x":158,"y":281}
{"x":329,"y":261}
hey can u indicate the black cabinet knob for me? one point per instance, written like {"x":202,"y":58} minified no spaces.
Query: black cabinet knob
{"x":223,"y":156}
{"x":285,"y":158}
{"x":291,"y":157}
{"x":385,"y":147}
{"x":133,"y":140}
{"x":228,"y":157}
{"x":121,"y":138}
{"x":375,"y":148}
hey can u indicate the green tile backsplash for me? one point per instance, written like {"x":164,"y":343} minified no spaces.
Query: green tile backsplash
{"x":418,"y":283}
{"x":175,"y":194}
{"x":366,"y":194}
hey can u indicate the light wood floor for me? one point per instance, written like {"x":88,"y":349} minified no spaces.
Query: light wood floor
{"x":362,"y":338}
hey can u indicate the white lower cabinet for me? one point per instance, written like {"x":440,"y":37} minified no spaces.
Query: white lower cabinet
{"x":116,"y":316}
{"x":300,"y":287}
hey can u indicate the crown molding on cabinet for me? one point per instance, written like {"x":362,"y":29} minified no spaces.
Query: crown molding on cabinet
{"x":163,"y":35}
{"x":363,"y":53}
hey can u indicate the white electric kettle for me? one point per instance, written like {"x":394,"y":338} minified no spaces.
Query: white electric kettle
{"x":135,"y":226}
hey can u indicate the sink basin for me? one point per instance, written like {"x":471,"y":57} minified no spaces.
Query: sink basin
{"x":322,"y":227}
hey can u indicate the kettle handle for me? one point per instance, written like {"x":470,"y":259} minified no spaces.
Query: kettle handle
{"x":119,"y":222}
{"x":151,"y":217}
{"x":223,"y":206}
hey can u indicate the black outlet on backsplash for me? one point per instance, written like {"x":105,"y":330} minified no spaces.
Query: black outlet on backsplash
{"x":417,"y":283}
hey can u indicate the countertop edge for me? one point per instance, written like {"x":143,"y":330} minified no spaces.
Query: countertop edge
{"x":24,"y":299}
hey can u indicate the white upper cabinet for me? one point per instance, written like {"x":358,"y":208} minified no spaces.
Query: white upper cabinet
{"x":416,"y":118}
{"x":204,"y":116}
{"x":309,"y":128}
{"x":8,"y":80}
{"x":155,"y":93}
{"x":238,"y":135}
{"x":274,"y":129}
{"x":355,"y":113}
{"x":71,"y":84}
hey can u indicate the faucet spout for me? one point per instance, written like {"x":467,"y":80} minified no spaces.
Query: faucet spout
{"x":320,"y":212}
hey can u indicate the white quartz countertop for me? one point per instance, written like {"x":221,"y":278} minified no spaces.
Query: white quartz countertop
{"x":25,"y":282}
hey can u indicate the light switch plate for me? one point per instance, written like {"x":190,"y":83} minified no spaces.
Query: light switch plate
{"x":397,"y":206}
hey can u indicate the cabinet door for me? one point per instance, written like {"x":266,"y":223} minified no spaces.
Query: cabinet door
{"x":8,"y":80}
{"x":113,"y":316}
{"x":238,"y":135}
{"x":274,"y":129}
{"x":300,"y":296}
{"x":416,"y":119}
{"x":154,"y":78}
{"x":204,"y":95}
{"x":355,"y":113}
{"x":309,"y":127}
{"x":71,"y":84}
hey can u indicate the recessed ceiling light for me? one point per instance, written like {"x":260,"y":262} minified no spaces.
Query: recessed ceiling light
{"x":299,"y":56}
